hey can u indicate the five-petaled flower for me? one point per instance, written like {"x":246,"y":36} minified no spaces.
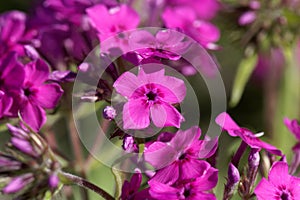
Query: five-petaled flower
{"x":280,"y":185}
{"x":150,"y":95}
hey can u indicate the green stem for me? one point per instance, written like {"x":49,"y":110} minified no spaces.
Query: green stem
{"x":70,"y":179}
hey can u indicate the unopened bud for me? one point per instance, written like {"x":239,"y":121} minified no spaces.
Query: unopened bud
{"x":109,"y":113}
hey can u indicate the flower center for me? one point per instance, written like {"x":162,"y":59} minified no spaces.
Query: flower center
{"x":285,"y":196}
{"x":151,"y":96}
{"x":186,"y":193}
{"x":182,"y":156}
{"x":27,"y":92}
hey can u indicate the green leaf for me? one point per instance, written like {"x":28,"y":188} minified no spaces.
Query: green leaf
{"x":242,"y":76}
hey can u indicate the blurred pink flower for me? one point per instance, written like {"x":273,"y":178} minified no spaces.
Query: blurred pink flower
{"x":109,"y":22}
{"x":150,"y":95}
{"x":186,"y":19}
{"x":293,"y":126}
{"x":280,"y":185}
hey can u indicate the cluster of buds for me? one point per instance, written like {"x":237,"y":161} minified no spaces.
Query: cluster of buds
{"x":248,"y":179}
{"x":28,"y":168}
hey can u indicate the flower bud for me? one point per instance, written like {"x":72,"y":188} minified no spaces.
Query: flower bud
{"x":17,"y":184}
{"x":109,"y":113}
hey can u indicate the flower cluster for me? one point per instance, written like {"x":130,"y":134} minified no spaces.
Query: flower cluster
{"x":28,"y":167}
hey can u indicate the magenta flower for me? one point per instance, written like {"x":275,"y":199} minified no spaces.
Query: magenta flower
{"x":293,"y":126}
{"x":12,"y":75}
{"x":186,"y":19}
{"x":150,"y":95}
{"x":280,"y":185}
{"x":38,"y":95}
{"x":190,"y":190}
{"x":13,"y":34}
{"x":130,"y":189}
{"x":109,"y":22}
{"x":227,"y":124}
{"x":204,"y":9}
{"x":178,"y":159}
{"x":165,"y":44}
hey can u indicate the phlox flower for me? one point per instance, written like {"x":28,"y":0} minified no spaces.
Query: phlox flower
{"x":178,"y":159}
{"x":150,"y":96}
{"x":186,"y":19}
{"x":109,"y":22}
{"x":227,"y":124}
{"x":130,"y":189}
{"x":38,"y":95}
{"x":166,"y":44}
{"x":279,"y":185}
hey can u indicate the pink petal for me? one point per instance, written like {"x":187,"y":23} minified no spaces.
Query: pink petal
{"x":141,"y":39}
{"x":5,"y":104}
{"x":247,"y":18}
{"x":265,"y":190}
{"x":178,"y":17}
{"x":227,"y":123}
{"x":159,"y":154}
{"x":293,"y":126}
{"x":176,"y":90}
{"x":183,"y":139}
{"x":136,"y":114}
{"x":33,"y":115}
{"x":279,"y":174}
{"x":153,"y":77}
{"x":203,"y":196}
{"x":192,"y":168}
{"x":12,"y":72}
{"x":37,"y":72}
{"x":205,"y":32}
{"x":164,"y":115}
{"x":208,"y":181}
{"x":168,"y":175}
{"x":48,"y":95}
{"x":162,"y":191}
{"x":208,"y":147}
{"x":126,"y":84}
